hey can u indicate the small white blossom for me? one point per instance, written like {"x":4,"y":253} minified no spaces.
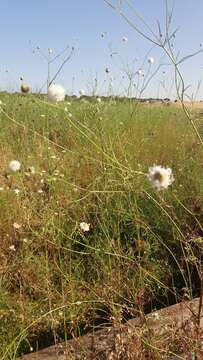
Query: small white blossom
{"x":16,"y":191}
{"x":151,"y":60}
{"x":82,"y":92}
{"x":160,"y":177}
{"x":56,"y":93}
{"x":12,"y":247}
{"x":14,"y":165}
{"x":140,"y":72}
{"x":99,"y":100}
{"x":16,"y":226}
{"x":84,"y":227}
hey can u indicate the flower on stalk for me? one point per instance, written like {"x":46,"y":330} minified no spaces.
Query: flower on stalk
{"x":124,"y":39}
{"x":25,"y":88}
{"x":56,"y":93}
{"x":82,"y":92}
{"x":15,"y":165}
{"x":84,"y":227}
{"x":151,"y":60}
{"x":160,"y":177}
{"x":140,"y":72}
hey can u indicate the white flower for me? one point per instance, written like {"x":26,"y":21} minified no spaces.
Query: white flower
{"x":124,"y":39}
{"x":1,"y":189}
{"x":16,"y":226}
{"x":82,"y":92}
{"x":12,"y":247}
{"x":25,"y":88}
{"x":151,"y":60}
{"x":15,"y":165}
{"x":140,"y":72}
{"x":84,"y":227}
{"x":16,"y":191}
{"x":160,"y":177}
{"x":56,"y":93}
{"x":40,"y":191}
{"x":99,"y":100}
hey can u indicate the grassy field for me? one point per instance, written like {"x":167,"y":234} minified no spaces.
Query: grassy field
{"x":88,"y":162}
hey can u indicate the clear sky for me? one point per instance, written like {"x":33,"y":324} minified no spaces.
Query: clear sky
{"x":26,"y":24}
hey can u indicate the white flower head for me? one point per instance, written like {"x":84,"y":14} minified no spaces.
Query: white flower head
{"x":16,"y":191}
{"x":99,"y":100}
{"x":84,"y":227}
{"x":25,"y":88}
{"x":151,"y":60}
{"x":56,"y":93}
{"x":140,"y":72}
{"x":16,"y":226}
{"x":12,"y":248}
{"x":14,"y":165}
{"x":82,"y":92}
{"x":124,"y":39}
{"x":160,"y":177}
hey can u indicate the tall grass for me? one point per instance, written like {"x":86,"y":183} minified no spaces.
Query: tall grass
{"x":90,"y":161}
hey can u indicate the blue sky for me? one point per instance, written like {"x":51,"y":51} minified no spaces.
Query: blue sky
{"x":24,"y":25}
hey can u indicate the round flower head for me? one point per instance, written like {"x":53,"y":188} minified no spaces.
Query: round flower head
{"x":82,"y":92}
{"x":84,"y":226}
{"x":124,"y":39}
{"x":56,"y":93}
{"x":160,"y":177}
{"x":25,"y":88}
{"x":140,"y":72}
{"x":151,"y":60}
{"x":14,"y":165}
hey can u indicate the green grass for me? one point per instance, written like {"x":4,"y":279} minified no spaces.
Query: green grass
{"x":92,"y":167}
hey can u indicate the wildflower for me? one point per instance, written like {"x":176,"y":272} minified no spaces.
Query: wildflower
{"x":12,"y":247}
{"x":25,"y":88}
{"x":15,"y":165}
{"x":16,"y":191}
{"x":56,"y":93}
{"x":99,"y":100}
{"x":82,"y":92}
{"x":84,"y":227}
{"x":16,"y":226}
{"x":160,"y":177}
{"x":140,"y":72}
{"x":151,"y":60}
